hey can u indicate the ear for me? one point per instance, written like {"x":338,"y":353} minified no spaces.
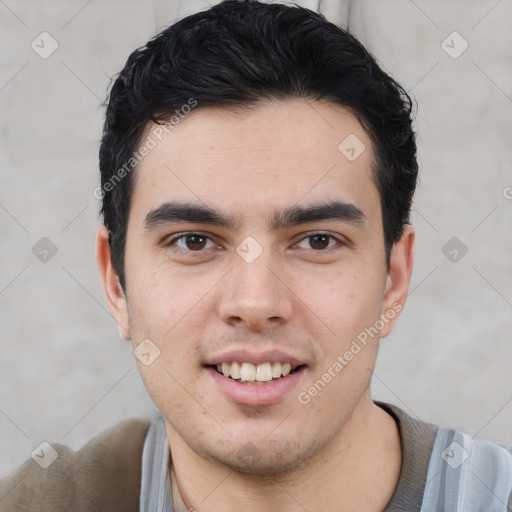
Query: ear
{"x":114,"y":293}
{"x":398,"y":279}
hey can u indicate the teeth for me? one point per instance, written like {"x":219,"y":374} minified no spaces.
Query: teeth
{"x":249,"y":372}
{"x":264,"y":372}
{"x":235,"y":371}
{"x":286,"y":368}
{"x":276,"y":370}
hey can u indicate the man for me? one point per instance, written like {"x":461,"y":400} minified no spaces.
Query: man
{"x":257,"y":171}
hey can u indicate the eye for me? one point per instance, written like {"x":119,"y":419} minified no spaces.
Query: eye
{"x":192,"y":242}
{"x":318,"y":242}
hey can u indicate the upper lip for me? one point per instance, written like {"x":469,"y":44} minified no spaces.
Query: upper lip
{"x":254,"y":357}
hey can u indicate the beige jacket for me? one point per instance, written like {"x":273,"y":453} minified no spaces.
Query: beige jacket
{"x":104,"y":476}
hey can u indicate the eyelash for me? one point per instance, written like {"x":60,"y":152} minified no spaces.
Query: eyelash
{"x":183,"y":236}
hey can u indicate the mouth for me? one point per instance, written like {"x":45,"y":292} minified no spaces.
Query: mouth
{"x":256,"y":384}
{"x":255,"y":374}
{"x":256,"y":378}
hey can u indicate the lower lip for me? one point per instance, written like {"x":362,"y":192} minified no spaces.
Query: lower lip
{"x":257,"y":394}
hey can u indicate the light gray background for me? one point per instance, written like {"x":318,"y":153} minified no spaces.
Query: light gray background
{"x":65,"y":374}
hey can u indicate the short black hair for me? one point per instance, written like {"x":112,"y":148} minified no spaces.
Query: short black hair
{"x":236,"y":54}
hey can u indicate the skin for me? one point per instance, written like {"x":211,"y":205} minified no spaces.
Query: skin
{"x":339,"y":452}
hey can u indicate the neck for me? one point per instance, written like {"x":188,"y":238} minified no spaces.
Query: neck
{"x":358,"y":471}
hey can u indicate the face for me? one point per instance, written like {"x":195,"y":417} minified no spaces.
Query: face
{"x":255,"y":250}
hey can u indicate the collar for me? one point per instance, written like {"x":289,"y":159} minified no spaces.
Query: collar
{"x":417,"y":440}
{"x":155,"y":493}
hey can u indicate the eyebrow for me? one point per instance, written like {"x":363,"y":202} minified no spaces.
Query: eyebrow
{"x":171,"y":212}
{"x":330,"y":211}
{"x":174,"y":212}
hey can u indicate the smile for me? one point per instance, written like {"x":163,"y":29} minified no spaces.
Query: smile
{"x":249,"y":388}
{"x":255,"y":374}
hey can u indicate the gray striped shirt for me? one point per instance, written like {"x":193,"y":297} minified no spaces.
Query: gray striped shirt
{"x":442,"y":470}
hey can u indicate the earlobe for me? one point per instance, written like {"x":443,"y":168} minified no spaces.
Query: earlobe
{"x":114,"y":293}
{"x":398,"y":279}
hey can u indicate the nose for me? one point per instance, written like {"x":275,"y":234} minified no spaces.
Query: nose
{"x":255,"y":296}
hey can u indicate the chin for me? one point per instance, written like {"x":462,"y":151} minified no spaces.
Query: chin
{"x":269,"y":457}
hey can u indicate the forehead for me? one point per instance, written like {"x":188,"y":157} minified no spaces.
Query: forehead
{"x":253,"y":160}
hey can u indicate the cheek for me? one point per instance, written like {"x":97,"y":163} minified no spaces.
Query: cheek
{"x":171,"y":320}
{"x":349,"y":309}
{"x":346,"y":303}
{"x":162,"y":300}
{"x":172,"y":310}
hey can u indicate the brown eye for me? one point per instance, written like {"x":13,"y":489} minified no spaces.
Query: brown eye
{"x":191,"y":242}
{"x":195,"y":242}
{"x":319,"y":242}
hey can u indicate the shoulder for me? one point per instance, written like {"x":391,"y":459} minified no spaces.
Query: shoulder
{"x":444,"y":469}
{"x":468,"y":470}
{"x":105,"y":474}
